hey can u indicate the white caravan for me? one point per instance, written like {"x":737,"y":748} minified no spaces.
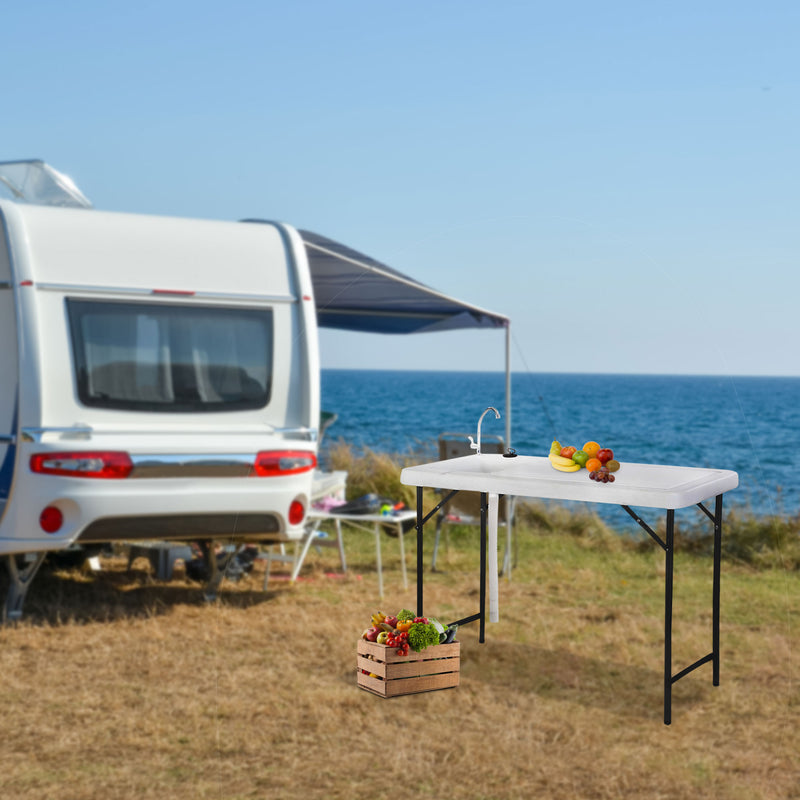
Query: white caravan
{"x":160,"y":380}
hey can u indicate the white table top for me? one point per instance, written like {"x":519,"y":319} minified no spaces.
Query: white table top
{"x":390,"y":519}
{"x":650,"y":485}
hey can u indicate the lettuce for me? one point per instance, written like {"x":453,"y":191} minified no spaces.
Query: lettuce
{"x":422,"y":635}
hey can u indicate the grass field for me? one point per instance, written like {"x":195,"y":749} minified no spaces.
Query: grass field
{"x":116,"y":686}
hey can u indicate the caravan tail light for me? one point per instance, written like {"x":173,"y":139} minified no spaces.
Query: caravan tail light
{"x":297,"y":512}
{"x":276,"y":463}
{"x":83,"y":464}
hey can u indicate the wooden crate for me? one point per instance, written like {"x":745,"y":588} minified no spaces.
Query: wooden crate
{"x":436,"y":667}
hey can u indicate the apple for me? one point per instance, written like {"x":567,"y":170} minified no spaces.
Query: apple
{"x":371,"y":634}
{"x":566,"y":452}
{"x":604,"y":455}
{"x":580,"y":457}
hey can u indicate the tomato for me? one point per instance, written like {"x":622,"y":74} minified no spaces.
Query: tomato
{"x":604,"y":455}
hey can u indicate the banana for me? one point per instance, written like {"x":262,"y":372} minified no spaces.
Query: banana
{"x":560,"y":468}
{"x":561,"y":461}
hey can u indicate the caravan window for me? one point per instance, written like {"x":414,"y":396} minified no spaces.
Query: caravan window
{"x":162,"y":357}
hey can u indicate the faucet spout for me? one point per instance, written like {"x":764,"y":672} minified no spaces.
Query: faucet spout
{"x":477,"y":446}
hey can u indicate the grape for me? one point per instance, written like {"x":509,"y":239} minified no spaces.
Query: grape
{"x":603,"y":473}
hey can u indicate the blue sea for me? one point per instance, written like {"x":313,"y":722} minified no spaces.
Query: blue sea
{"x":747,"y":424}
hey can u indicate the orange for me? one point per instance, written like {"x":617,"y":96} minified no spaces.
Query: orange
{"x":593,"y":464}
{"x":591,"y":448}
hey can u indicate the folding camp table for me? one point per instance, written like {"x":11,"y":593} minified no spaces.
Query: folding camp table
{"x":655,"y":486}
{"x":372,"y":523}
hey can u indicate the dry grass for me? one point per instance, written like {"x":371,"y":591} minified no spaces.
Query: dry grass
{"x":118,"y":687}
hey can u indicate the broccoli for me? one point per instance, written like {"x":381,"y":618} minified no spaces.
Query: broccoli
{"x":405,"y":614}
{"x":422,"y":635}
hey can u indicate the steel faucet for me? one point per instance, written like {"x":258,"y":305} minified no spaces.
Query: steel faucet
{"x":477,"y":447}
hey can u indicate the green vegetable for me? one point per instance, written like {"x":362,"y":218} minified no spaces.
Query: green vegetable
{"x":405,"y":614}
{"x":441,"y":629}
{"x":422,"y":635}
{"x":438,"y":625}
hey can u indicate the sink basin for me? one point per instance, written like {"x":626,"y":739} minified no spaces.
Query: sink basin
{"x":489,"y":464}
{"x":484,"y":473}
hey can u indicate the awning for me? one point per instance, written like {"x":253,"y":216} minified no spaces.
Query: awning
{"x":355,"y":292}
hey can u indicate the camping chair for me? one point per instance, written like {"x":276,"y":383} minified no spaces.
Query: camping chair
{"x":465,"y":507}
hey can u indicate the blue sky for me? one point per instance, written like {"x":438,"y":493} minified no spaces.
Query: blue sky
{"x":619,"y":178}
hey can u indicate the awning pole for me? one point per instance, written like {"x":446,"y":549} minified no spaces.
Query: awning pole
{"x":508,"y":383}
{"x":509,"y":560}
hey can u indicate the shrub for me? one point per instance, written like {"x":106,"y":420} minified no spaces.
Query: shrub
{"x":762,"y":542}
{"x":370,"y":472}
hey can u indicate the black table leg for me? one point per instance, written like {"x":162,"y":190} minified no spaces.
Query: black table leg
{"x":484,"y":505}
{"x":717,"y":570}
{"x":420,"y":555}
{"x":670,"y":552}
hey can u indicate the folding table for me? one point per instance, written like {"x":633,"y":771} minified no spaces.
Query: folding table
{"x":372,"y":523}
{"x":655,"y":486}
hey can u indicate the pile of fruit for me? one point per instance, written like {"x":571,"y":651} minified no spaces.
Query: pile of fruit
{"x":599,"y":461}
{"x":406,"y":631}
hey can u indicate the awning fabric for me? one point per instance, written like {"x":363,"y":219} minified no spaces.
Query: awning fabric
{"x":357,"y":293}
